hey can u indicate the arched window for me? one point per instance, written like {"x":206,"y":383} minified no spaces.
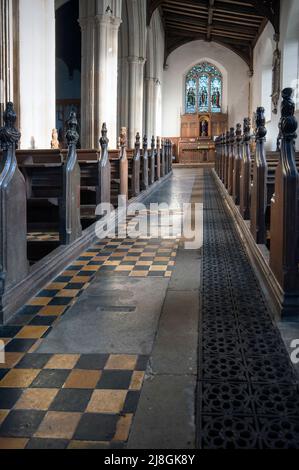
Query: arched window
{"x":204,"y":89}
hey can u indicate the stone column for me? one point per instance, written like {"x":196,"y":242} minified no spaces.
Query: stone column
{"x":107,"y":28}
{"x":6,"y":55}
{"x":89,"y":136}
{"x":136,"y":73}
{"x":150,"y":106}
{"x":37,"y":72}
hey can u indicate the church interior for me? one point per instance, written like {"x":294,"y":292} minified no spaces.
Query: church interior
{"x":122,"y":122}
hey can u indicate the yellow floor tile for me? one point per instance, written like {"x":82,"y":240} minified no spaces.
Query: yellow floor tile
{"x":144,"y":263}
{"x":121,"y":362}
{"x":58,"y":425}
{"x":89,"y":268}
{"x":19,"y":378}
{"x":32,"y":332}
{"x":9,"y":443}
{"x":123,"y":428}
{"x":68,"y":293}
{"x":5,"y":340}
{"x":124,"y":268}
{"x":137,"y":380}
{"x":107,"y":401}
{"x":69,"y":273}
{"x":3,"y":414}
{"x":131,"y":258}
{"x":63,"y":361}
{"x":39,"y":301}
{"x":112,"y":263}
{"x":148,"y":255}
{"x":162,"y":258}
{"x":52,"y":310}
{"x":56,"y":286}
{"x":158,"y":268}
{"x":168,"y":274}
{"x":36,"y":399}
{"x":11,"y":359}
{"x":80,"y":279}
{"x":83,"y":379}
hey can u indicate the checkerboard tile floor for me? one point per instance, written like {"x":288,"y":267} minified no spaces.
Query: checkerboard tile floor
{"x":74,"y":401}
{"x":42,"y":236}
{"x":69,"y":401}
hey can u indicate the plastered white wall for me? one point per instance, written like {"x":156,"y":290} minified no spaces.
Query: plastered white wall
{"x":37,"y":72}
{"x":235,"y":81}
{"x":289,"y":47}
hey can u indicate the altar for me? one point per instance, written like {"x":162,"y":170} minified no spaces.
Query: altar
{"x":196,"y":144}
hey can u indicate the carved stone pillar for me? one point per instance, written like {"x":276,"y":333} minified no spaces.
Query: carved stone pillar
{"x":106,"y":74}
{"x":6,"y":54}
{"x":88,"y":130}
{"x":136,"y":73}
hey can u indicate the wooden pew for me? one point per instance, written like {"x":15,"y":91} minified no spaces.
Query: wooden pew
{"x":245,"y":177}
{"x":119,"y":169}
{"x":231,"y":158}
{"x":158,"y":160}
{"x":144,"y":172}
{"x":226,"y":158}
{"x":259,"y":188}
{"x":152,"y":161}
{"x":133,"y":156}
{"x":53,"y":193}
{"x":95,"y":183}
{"x":13,"y":220}
{"x":284,"y":255}
{"x":237,"y":165}
{"x":163,"y":165}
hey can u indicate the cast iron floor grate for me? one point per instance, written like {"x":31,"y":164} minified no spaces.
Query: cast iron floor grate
{"x":248,"y":395}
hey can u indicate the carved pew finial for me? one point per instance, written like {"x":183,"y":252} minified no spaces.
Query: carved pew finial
{"x":284,"y":210}
{"x":104,"y":139}
{"x":9,"y":135}
{"x":137,"y":141}
{"x":260,"y":122}
{"x":239,"y":133}
{"x":288,"y":123}
{"x":72,"y":135}
{"x":246,"y":129}
{"x":145,"y":141}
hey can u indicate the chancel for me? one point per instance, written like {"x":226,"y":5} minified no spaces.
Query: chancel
{"x":149,"y":225}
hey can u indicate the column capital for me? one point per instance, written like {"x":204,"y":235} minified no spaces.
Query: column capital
{"x":84,"y":22}
{"x":133,"y":59}
{"x":102,"y":19}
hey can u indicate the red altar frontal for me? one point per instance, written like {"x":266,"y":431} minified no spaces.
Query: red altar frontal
{"x":196,"y":144}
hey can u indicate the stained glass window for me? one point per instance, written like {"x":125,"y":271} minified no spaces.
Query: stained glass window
{"x":203,"y":89}
{"x":191,"y":96}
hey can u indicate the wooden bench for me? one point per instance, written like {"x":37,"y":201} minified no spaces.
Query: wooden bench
{"x":53,"y":194}
{"x":95,"y":183}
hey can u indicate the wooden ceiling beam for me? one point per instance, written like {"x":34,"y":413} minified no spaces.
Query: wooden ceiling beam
{"x":210,"y":19}
{"x":186,"y":21}
{"x":231,"y":34}
{"x":181,"y":11}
